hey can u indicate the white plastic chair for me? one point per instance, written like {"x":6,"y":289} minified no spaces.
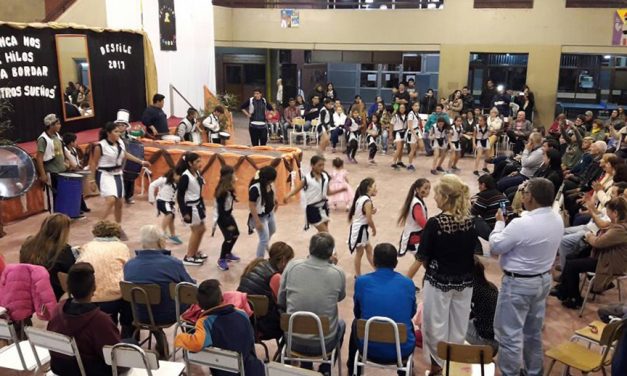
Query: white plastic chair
{"x":18,"y":355}
{"x":278,"y":369}
{"x":139,"y":361}
{"x":382,"y":330}
{"x":308,"y":323}
{"x":293,"y":133}
{"x":213,"y":357}
{"x":53,"y":342}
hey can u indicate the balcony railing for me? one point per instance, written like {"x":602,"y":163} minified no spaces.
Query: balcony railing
{"x":333,"y":4}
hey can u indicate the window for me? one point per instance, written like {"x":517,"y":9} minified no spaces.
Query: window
{"x":368,"y":79}
{"x":596,"y":3}
{"x":255,"y":75}
{"x":503,"y":3}
{"x":509,"y":70}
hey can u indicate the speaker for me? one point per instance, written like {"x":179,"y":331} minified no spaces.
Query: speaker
{"x":289,"y":75}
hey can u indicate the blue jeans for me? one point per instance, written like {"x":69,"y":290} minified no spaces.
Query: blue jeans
{"x":316,"y":350}
{"x":510,"y":181}
{"x":427,"y":143}
{"x":335,"y":136}
{"x":572,"y":242}
{"x":518,"y":324}
{"x":384,"y":140}
{"x":268,"y":229}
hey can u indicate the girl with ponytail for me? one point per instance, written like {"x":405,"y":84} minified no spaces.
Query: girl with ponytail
{"x":446,"y":250}
{"x":262,"y":204}
{"x":360,"y":215}
{"x":191,"y":204}
{"x":413,"y":216}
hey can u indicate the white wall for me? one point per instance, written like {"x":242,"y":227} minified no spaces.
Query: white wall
{"x":192,"y":65}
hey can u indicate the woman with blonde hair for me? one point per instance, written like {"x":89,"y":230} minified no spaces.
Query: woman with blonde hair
{"x":49,"y":249}
{"x":447,"y":251}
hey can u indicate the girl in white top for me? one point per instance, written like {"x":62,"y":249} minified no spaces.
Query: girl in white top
{"x":482,"y":144}
{"x":414,"y":134}
{"x":353,"y":128}
{"x":316,"y":187}
{"x":191,"y":204}
{"x":439,"y":141}
{"x":106,"y":165}
{"x":413,"y":216}
{"x":360,"y":215}
{"x":166,"y":185}
{"x":454,"y":143}
{"x":399,"y":130}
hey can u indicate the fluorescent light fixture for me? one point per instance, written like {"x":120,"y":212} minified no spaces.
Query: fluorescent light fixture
{"x":369,"y":1}
{"x":607,"y":57}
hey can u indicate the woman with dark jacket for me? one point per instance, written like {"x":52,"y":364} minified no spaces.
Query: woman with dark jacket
{"x":608,"y":259}
{"x":263,"y":277}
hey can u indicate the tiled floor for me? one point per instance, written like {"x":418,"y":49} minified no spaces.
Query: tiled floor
{"x":392,"y":186}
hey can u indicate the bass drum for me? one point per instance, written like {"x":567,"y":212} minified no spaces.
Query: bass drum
{"x":17,"y":172}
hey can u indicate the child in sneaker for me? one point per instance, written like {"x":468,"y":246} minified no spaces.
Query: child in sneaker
{"x":165,"y":202}
{"x":339,"y":181}
{"x":372,"y":133}
{"x":225,"y":197}
{"x":191,"y":204}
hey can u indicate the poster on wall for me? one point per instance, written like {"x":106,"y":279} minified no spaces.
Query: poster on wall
{"x":290,"y":18}
{"x":29,"y":78}
{"x":619,"y":35}
{"x":167,"y":25}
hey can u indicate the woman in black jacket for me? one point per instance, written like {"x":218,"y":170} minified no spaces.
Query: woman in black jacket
{"x":263,"y":277}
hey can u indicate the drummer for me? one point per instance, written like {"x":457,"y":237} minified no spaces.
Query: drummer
{"x":122,"y":122}
{"x":106,"y":166}
{"x":187,"y":129}
{"x":155,"y":120}
{"x":50,"y":159}
{"x":212,"y":125}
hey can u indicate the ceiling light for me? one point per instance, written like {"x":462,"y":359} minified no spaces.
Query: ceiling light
{"x":607,"y":57}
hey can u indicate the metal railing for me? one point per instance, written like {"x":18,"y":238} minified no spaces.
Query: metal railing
{"x":333,"y":4}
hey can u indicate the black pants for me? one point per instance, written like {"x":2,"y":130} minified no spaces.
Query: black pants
{"x":466,"y":146}
{"x":258,"y":135}
{"x":129,"y":189}
{"x":569,"y":286}
{"x":351,"y":149}
{"x":372,"y":150}
{"x":519,"y":142}
{"x":229,"y":229}
{"x":51,"y":192}
{"x":122,"y":309}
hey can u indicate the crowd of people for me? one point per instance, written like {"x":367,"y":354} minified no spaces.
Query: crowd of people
{"x":575,"y":167}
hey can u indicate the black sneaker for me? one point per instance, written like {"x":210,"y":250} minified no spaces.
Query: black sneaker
{"x":401,"y":164}
{"x":440,"y":169}
{"x":485,"y":169}
{"x":192,"y":261}
{"x":434,"y":172}
{"x":394,"y":165}
{"x":476,"y":173}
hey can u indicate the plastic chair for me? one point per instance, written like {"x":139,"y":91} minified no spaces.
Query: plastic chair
{"x":18,"y":355}
{"x":382,"y":330}
{"x":213,"y":357}
{"x":590,"y":276}
{"x":53,"y":342}
{"x":145,"y":295}
{"x":308,"y":323}
{"x":278,"y":369}
{"x":574,"y":355}
{"x":182,"y":293}
{"x":293,"y":133}
{"x":138,"y":361}
{"x":479,"y":356}
{"x":260,"y":305}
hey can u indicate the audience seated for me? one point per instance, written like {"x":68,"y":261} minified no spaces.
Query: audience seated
{"x":519,"y":131}
{"x":263,"y":277}
{"x":386,"y":293}
{"x":586,"y":157}
{"x":315,"y":285}
{"x":485,"y":205}
{"x":608,"y":258}
{"x":581,"y":182}
{"x":529,"y":163}
{"x":153,"y":264}
{"x":25,"y":290}
{"x":221,"y":326}
{"x":482,"y":308}
{"x":574,"y":143}
{"x":79,"y":318}
{"x":49,"y":249}
{"x":108,"y":255}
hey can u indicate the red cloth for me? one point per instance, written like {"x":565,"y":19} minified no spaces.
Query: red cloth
{"x":421,"y":220}
{"x":236,"y":298}
{"x":25,"y":289}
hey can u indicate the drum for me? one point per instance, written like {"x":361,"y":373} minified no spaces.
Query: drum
{"x":224,"y":135}
{"x":171,"y":137}
{"x":69,"y":192}
{"x":132,"y":169}
{"x":17,"y":172}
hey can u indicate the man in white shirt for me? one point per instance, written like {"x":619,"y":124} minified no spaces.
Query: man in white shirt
{"x":527,"y":249}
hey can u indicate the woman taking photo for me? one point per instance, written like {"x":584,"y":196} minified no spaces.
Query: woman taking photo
{"x":263,"y":277}
{"x":446,"y":249}
{"x":107,"y":161}
{"x":262,"y":204}
{"x":49,"y":248}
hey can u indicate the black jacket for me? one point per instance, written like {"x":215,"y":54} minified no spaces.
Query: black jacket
{"x":257,"y":282}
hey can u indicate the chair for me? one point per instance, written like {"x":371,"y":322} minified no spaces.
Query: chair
{"x":480,"y":357}
{"x":382,"y":330}
{"x":18,"y":355}
{"x":260,"y":305}
{"x":590,"y":277}
{"x":145,"y":295}
{"x":574,"y":355}
{"x":213,"y":357}
{"x":139,"y":361}
{"x":279,"y":369}
{"x":53,"y":342}
{"x":308,"y":323}
{"x":313,"y":132}
{"x":182,"y":293}
{"x":294,"y":133}
{"x":62,"y":281}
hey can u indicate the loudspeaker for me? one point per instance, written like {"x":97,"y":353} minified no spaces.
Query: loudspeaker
{"x":289,"y":75}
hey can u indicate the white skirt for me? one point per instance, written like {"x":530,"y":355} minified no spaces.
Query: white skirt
{"x":110,"y":184}
{"x":358,"y":236}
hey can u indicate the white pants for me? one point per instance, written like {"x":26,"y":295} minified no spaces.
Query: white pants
{"x":445,"y":318}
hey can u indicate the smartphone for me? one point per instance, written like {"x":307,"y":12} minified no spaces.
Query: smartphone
{"x":503,"y":205}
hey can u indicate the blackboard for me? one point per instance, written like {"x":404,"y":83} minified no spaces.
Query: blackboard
{"x":29,"y":77}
